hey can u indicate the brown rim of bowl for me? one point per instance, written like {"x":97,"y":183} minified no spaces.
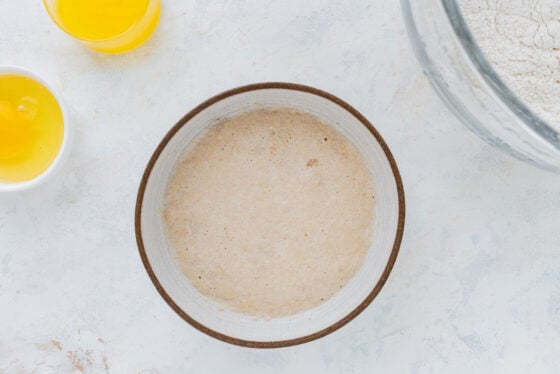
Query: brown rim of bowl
{"x":307,"y":338}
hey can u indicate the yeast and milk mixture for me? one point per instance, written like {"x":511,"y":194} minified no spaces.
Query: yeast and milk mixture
{"x":270,"y":212}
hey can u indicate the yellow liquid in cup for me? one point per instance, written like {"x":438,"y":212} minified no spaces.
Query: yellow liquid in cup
{"x":111,"y":26}
{"x":31,"y":128}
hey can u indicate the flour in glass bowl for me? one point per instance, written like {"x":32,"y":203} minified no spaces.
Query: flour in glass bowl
{"x":521,"y":39}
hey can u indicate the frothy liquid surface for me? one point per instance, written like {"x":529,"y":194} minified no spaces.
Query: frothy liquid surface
{"x":270,"y":212}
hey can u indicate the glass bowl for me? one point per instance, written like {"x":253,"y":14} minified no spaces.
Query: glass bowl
{"x":471,"y":88}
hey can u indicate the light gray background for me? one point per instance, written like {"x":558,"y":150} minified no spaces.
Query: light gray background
{"x":476,"y":287}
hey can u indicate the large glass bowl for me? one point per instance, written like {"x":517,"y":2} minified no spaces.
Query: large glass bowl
{"x":471,"y":88}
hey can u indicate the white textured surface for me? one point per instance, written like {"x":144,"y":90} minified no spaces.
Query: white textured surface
{"x":476,"y":287}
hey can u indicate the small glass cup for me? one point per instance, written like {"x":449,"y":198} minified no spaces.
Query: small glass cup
{"x":135,"y":35}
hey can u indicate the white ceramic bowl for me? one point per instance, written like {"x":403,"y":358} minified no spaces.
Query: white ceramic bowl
{"x":66,"y":140}
{"x":205,"y":314}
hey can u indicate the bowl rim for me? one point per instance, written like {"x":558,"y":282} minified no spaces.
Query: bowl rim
{"x":306,"y":338}
{"x":67,"y":133}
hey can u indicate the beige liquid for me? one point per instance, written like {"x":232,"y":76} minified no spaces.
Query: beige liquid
{"x":270,"y":212}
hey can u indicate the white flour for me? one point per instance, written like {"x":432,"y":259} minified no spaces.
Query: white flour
{"x":521,"y":38}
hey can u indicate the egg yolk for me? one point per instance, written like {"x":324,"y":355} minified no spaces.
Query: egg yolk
{"x":31,"y":128}
{"x":14,"y":130}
